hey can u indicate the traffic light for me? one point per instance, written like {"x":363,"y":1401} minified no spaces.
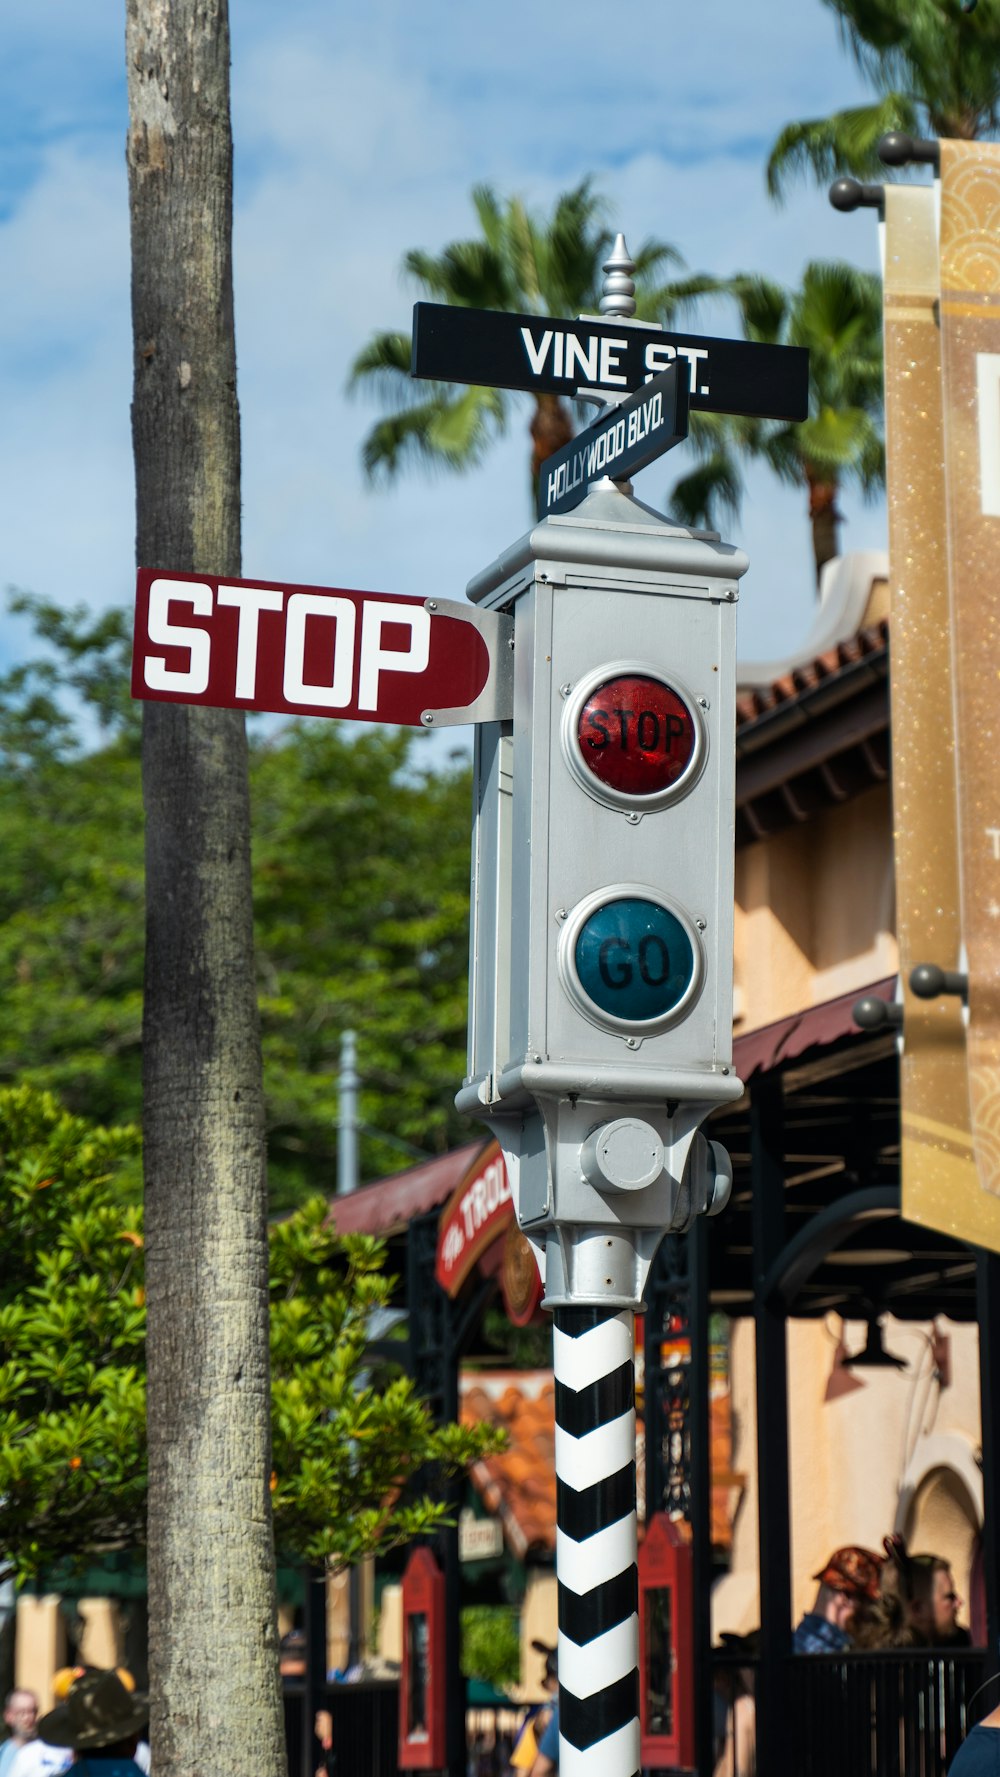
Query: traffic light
{"x":601,"y":995}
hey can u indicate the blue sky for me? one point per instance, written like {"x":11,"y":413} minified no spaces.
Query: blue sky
{"x":360,"y":129}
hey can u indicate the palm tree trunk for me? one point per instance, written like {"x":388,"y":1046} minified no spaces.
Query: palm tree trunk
{"x":825,"y":520}
{"x":216,"y":1703}
{"x":551,"y":428}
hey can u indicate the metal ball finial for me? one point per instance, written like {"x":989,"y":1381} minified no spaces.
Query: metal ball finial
{"x":897,"y":149}
{"x":619,"y":285}
{"x":848,"y":194}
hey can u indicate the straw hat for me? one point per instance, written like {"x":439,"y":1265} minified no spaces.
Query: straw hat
{"x":97,"y":1710}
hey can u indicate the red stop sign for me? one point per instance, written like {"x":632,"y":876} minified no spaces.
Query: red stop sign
{"x":636,"y":735}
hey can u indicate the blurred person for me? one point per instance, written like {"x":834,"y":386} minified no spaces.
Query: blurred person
{"x":979,"y":1753}
{"x":848,"y":1589}
{"x":918,"y":1603}
{"x":39,"y":1759}
{"x":323,"y":1730}
{"x":935,"y":1614}
{"x":536,"y":1721}
{"x":735,"y":1709}
{"x":548,"y":1747}
{"x":98,"y":1724}
{"x":20,"y":1712}
{"x":292,"y":1656}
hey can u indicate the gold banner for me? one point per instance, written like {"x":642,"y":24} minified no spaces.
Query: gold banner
{"x":940,"y":1186}
{"x":970,"y":359}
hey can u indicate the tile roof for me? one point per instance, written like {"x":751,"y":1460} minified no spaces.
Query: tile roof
{"x":758,"y":700}
{"x":518,"y":1484}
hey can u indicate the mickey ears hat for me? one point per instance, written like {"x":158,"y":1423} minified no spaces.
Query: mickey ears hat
{"x":97,"y":1710}
{"x":68,"y":1675}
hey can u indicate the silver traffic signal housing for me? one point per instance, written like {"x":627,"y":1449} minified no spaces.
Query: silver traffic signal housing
{"x":600,"y":1031}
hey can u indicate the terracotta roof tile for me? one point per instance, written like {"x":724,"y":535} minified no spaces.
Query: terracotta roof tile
{"x":751,"y":703}
{"x":519,"y":1484}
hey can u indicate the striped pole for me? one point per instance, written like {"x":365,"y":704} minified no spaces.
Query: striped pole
{"x":596,"y":1543}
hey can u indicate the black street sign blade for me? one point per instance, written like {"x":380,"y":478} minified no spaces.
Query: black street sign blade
{"x":618,"y":444}
{"x":543,"y":355}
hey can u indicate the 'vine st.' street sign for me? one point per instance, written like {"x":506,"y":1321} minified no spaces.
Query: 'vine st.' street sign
{"x":319,"y":651}
{"x":548,"y":356}
{"x":650,"y":422}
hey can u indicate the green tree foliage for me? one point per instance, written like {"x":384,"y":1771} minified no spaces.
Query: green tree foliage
{"x":491,"y":1645}
{"x":935,"y":68}
{"x":837,"y":314}
{"x":361,"y":868}
{"x":361,"y":871}
{"x":522,"y":263}
{"x":72,"y":1324}
{"x":347,"y":1440}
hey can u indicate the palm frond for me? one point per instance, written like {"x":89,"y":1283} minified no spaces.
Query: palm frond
{"x":847,"y":142}
{"x":543,"y":263}
{"x":521,"y":245}
{"x":447,"y":431}
{"x":946,"y":59}
{"x":763,"y":306}
{"x":651,"y":255}
{"x":667,"y":302}
{"x":781,"y":449}
{"x":714,"y":487}
{"x":468,"y":274}
{"x":489,"y":214}
{"x":570,"y":248}
{"x":383,"y":364}
{"x":461,"y":430}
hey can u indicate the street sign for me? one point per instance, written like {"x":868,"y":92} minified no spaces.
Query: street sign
{"x":318,"y":651}
{"x":548,"y":356}
{"x":618,"y":444}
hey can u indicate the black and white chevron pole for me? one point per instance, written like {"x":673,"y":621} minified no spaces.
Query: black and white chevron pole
{"x":596,"y":1543}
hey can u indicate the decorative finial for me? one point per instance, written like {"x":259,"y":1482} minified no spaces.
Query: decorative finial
{"x":619,"y":285}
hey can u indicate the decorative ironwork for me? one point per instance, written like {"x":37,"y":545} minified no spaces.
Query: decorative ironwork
{"x":668,"y":1383}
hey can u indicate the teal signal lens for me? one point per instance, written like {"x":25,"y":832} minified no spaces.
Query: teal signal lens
{"x":634,"y":959}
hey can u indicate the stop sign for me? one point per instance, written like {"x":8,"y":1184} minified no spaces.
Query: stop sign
{"x":317,"y":651}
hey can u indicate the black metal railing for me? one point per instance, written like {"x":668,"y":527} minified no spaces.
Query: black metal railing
{"x":898,"y":1714}
{"x":365,"y":1729}
{"x":365,"y":1719}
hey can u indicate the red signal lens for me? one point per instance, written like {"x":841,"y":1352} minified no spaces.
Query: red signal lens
{"x":636,"y":735}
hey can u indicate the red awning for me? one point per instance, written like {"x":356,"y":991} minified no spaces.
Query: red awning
{"x":761,"y":1050}
{"x":390,"y":1203}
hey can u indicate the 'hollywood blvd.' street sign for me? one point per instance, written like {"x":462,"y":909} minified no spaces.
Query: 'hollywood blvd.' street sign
{"x":548,"y":356}
{"x":618,"y":444}
{"x":319,"y":651}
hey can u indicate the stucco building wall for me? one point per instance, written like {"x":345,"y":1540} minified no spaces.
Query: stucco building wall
{"x":814,"y":911}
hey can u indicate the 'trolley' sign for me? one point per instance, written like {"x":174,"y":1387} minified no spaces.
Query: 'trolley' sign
{"x":318,"y":651}
{"x":479,"y":1207}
